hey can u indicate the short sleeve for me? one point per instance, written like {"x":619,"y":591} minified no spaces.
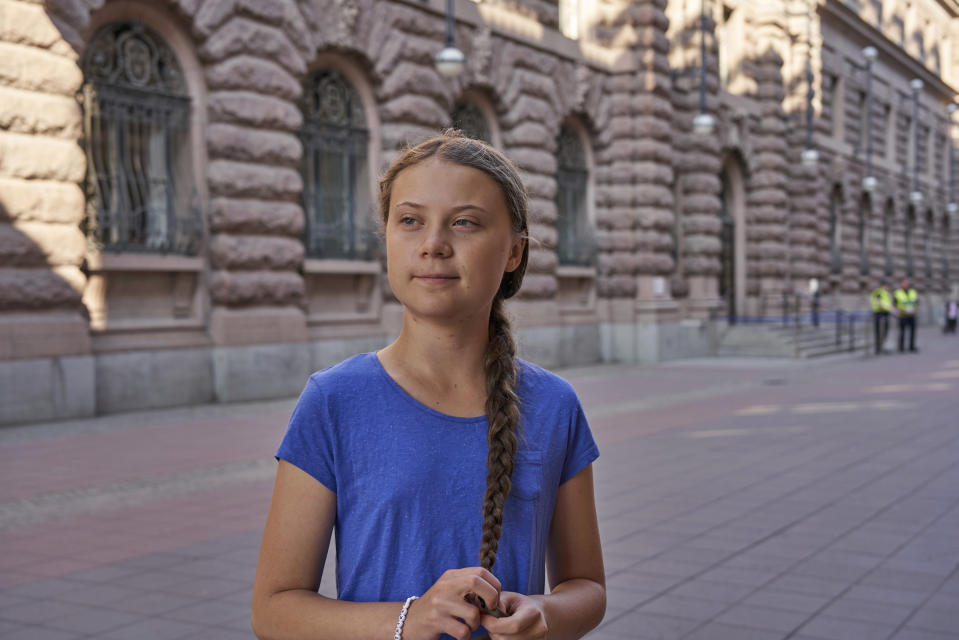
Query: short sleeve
{"x":309,"y":442}
{"x":581,"y":449}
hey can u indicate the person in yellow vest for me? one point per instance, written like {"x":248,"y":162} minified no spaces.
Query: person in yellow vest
{"x":881,"y":301}
{"x":907,"y":301}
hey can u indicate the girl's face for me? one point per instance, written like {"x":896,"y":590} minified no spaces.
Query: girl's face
{"x":449,"y":240}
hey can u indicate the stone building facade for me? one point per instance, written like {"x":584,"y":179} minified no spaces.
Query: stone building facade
{"x":187,"y":186}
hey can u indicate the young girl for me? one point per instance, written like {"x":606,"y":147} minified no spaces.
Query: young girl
{"x":453,"y":472}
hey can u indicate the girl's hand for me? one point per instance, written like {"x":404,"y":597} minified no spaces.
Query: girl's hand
{"x":444,"y":608}
{"x":525,"y":619}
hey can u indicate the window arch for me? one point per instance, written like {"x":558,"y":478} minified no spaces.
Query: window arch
{"x":835,"y":230}
{"x":865,"y":206}
{"x":907,"y":236}
{"x":945,"y":246}
{"x":136,"y":107}
{"x":887,"y":218}
{"x":335,"y":168}
{"x":575,"y":245}
{"x":469,"y":118}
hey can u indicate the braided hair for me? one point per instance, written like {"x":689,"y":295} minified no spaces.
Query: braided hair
{"x":502,"y":405}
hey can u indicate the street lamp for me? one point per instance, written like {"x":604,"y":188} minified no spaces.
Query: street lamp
{"x":450,"y":61}
{"x":916,"y":196}
{"x":869,"y":181}
{"x":810,"y":157}
{"x":703,"y":123}
{"x":952,"y":207}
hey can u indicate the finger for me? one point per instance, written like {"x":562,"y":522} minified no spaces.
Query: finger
{"x":490,"y":578}
{"x":480,"y":586}
{"x":517,"y":622}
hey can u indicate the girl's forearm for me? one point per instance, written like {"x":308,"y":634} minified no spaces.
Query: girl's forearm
{"x":304,"y":615}
{"x":573,"y":608}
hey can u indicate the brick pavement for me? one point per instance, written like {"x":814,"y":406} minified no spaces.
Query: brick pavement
{"x":738,"y":499}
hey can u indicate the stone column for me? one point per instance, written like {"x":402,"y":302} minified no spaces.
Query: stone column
{"x":46,"y":370}
{"x":697,"y":164}
{"x":255,"y":63}
{"x":767,"y":198}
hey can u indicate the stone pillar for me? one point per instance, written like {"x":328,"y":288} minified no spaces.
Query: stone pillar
{"x":634,"y":217}
{"x":698,"y":165}
{"x":46,"y":371}
{"x":255,"y":62}
{"x":767,"y":198}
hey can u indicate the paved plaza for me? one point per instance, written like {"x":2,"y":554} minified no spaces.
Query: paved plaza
{"x":738,"y":499}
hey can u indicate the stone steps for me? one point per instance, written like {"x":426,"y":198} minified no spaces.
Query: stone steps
{"x":778,"y":341}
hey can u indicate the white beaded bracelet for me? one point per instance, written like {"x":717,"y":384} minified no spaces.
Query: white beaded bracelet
{"x":399,"y":623}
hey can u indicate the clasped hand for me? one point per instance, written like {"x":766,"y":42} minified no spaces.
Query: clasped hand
{"x":445,"y":608}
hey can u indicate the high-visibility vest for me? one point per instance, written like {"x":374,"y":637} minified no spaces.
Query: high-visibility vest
{"x":881,"y":300}
{"x":906,"y":300}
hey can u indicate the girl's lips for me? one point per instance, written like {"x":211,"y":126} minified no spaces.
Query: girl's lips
{"x":435,"y":278}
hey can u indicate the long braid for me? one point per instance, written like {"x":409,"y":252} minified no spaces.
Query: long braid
{"x":502,"y":406}
{"x":502,"y":412}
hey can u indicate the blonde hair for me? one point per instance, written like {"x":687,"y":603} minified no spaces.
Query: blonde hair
{"x":502,"y":404}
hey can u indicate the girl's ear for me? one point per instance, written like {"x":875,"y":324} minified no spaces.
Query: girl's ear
{"x":515,"y":253}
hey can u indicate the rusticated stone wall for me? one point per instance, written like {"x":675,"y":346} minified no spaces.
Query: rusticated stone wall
{"x":697,"y":158}
{"x":41,"y":164}
{"x":255,"y":59}
{"x":766,"y":201}
{"x":652,"y":147}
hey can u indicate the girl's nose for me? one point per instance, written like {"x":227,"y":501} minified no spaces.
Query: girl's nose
{"x":436,"y":243}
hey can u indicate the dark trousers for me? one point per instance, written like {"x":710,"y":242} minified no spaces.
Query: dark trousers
{"x":907,"y":322}
{"x":880,"y":327}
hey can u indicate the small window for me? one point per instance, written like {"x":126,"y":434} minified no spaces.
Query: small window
{"x":468,"y":118}
{"x":927,"y":244}
{"x":835,"y":231}
{"x":136,"y":124}
{"x":335,"y":169}
{"x":575,"y":245}
{"x":908,"y":233}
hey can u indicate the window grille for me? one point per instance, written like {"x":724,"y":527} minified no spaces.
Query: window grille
{"x":903,"y":133}
{"x":335,"y":169}
{"x":910,"y":225}
{"x":835,"y":232}
{"x":864,"y":208}
{"x":886,"y":239}
{"x":576,"y":244}
{"x":922,"y":152}
{"x":468,"y":118}
{"x":139,"y":189}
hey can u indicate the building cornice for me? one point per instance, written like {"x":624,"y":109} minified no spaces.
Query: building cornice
{"x":893,"y":56}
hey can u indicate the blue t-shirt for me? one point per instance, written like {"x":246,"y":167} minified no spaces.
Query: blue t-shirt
{"x":409,"y":480}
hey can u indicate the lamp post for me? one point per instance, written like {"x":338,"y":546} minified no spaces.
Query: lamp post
{"x":810,"y":157}
{"x":869,"y":181}
{"x":704,"y":122}
{"x":450,"y":61}
{"x":916,"y":196}
{"x":952,"y":207}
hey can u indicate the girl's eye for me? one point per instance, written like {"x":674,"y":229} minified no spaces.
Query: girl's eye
{"x":463,"y":222}
{"x":407,"y":220}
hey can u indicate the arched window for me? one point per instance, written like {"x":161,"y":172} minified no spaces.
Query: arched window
{"x":946,"y":244}
{"x":910,"y":226}
{"x":335,"y":169}
{"x":835,"y":230}
{"x":887,"y":236}
{"x":575,"y":245}
{"x":468,"y":118}
{"x":864,"y":206}
{"x":136,"y":124}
